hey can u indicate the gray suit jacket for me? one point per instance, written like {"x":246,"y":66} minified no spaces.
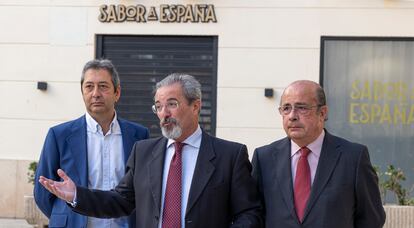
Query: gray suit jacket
{"x":344,"y":193}
{"x":222,"y":192}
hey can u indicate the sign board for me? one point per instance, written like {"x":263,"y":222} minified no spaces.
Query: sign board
{"x":369,"y":84}
{"x":193,"y":13}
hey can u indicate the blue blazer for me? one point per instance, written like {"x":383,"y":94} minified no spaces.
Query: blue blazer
{"x":65,"y":148}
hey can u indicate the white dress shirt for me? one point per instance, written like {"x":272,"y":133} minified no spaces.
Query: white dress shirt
{"x":313,"y":157}
{"x":189,"y":159}
{"x":105,"y":164}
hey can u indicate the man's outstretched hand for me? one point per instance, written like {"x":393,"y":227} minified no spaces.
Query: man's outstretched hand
{"x":64,"y":190}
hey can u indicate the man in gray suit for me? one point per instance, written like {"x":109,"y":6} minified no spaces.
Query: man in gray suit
{"x":312,"y":178}
{"x":185,"y":179}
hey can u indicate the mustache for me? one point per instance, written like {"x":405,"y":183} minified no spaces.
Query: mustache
{"x":295,"y":125}
{"x":168,"y":120}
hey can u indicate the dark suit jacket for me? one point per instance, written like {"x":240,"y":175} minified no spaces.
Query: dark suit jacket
{"x":344,"y":193}
{"x":222,"y":190}
{"x":65,"y":148}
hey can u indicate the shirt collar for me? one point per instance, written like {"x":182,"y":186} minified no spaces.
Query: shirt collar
{"x":94,"y":127}
{"x":315,"y":146}
{"x":193,"y":140}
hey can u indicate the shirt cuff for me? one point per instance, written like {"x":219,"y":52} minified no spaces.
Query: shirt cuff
{"x":74,"y":202}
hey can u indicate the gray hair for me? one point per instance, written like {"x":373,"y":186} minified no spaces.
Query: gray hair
{"x":320,"y":96}
{"x":105,"y":64}
{"x":191,"y":87}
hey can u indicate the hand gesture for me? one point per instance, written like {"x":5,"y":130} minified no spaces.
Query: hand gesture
{"x":64,"y":190}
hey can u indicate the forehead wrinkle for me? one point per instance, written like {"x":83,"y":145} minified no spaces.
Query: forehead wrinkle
{"x":169,"y":92}
{"x":169,"y":99}
{"x":91,"y":80}
{"x":304,"y":98}
{"x":296,"y":103}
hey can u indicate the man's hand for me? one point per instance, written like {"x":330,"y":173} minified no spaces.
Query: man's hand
{"x":64,"y":190}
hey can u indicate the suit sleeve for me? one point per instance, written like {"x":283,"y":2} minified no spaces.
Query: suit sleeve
{"x":109,"y":204}
{"x":369,"y":209}
{"x":47,"y":167}
{"x":245,"y":201}
{"x":257,"y":176}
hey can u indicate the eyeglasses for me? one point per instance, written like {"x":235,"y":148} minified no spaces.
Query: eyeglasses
{"x":170,"y":105}
{"x":301,"y":109}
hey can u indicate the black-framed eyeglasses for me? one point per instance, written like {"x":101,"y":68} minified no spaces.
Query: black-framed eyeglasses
{"x":170,"y":105}
{"x":301,"y":109}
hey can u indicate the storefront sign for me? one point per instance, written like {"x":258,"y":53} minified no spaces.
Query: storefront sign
{"x":369,"y":86}
{"x":379,"y":102}
{"x":194,"y":13}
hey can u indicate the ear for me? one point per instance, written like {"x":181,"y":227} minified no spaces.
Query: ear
{"x":118,"y":93}
{"x":197,"y":106}
{"x":324,"y":112}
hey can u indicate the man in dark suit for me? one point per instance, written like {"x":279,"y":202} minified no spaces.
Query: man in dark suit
{"x":311,"y":178}
{"x":92,"y":149}
{"x":185,"y":179}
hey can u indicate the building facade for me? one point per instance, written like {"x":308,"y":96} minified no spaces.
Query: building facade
{"x":251,"y":46}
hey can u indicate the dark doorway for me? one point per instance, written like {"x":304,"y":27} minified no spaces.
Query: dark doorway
{"x":144,"y":60}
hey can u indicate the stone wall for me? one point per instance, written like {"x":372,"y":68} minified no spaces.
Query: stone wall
{"x":13,"y":187}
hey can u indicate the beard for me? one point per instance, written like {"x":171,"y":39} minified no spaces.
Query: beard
{"x":173,"y":131}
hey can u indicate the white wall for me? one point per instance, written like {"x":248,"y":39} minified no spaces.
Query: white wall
{"x":262,"y":44}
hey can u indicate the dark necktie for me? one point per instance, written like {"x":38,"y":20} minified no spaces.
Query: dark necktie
{"x":302,"y":183}
{"x":171,"y":217}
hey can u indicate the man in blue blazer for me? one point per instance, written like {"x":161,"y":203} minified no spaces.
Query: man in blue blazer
{"x":93,"y":148}
{"x":312,"y":179}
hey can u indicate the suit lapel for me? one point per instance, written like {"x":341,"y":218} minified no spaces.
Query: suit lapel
{"x":155,"y":169}
{"x":283,"y":174}
{"x":77,"y":145}
{"x":327,"y":162}
{"x":203,"y":170}
{"x":128,"y":138}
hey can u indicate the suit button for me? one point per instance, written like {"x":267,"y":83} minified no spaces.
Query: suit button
{"x":157,"y":218}
{"x":189,"y":221}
